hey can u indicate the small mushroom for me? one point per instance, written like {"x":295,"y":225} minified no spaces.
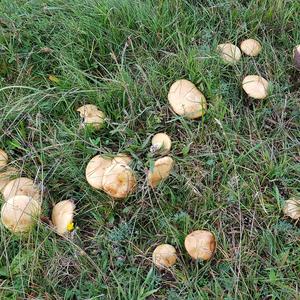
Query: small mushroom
{"x":164,"y":256}
{"x":91,"y":116}
{"x":3,"y":158}
{"x":162,"y":169}
{"x":62,"y":216}
{"x":21,"y":186}
{"x":161,"y":143}
{"x":251,"y":47}
{"x":229,"y":52}
{"x":255,"y":86}
{"x":20,"y":213}
{"x":7,"y":176}
{"x":119,"y":180}
{"x":200,"y":244}
{"x":292,"y":208}
{"x":186,"y":100}
{"x":297,"y":57}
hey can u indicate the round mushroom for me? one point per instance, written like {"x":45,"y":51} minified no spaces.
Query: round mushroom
{"x":297,"y":57}
{"x":251,"y":47}
{"x":119,"y":180}
{"x":255,"y":86}
{"x":161,"y":143}
{"x":122,"y":158}
{"x":292,"y":208}
{"x":62,"y":216}
{"x":200,"y":244}
{"x":229,"y":52}
{"x":7,"y":176}
{"x":91,"y":116}
{"x":162,"y":169}
{"x":20,"y":213}
{"x":164,"y":256}
{"x":3,"y":158}
{"x":21,"y":186}
{"x":186,"y":100}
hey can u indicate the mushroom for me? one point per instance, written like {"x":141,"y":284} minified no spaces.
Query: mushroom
{"x":7,"y":176}
{"x":20,"y":213}
{"x":297,"y":57}
{"x":3,"y":158}
{"x":62,"y":216}
{"x":229,"y":52}
{"x":292,"y":208}
{"x":119,"y":180}
{"x":21,"y":186}
{"x":200,"y":244}
{"x":164,"y":256}
{"x":91,"y":116}
{"x":161,"y":143}
{"x":122,"y":158}
{"x":251,"y":47}
{"x":255,"y":86}
{"x":161,"y":170}
{"x":186,"y":100}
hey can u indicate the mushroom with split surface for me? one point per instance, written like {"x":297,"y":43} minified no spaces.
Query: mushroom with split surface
{"x":92,"y":116}
{"x":164,"y":256}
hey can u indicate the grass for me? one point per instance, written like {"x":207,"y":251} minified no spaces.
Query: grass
{"x":235,"y":167}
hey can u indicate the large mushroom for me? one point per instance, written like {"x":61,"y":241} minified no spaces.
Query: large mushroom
{"x":200,"y":244}
{"x":292,"y":208}
{"x":164,"y":256}
{"x":251,"y":47}
{"x":186,"y":100}
{"x":162,"y":169}
{"x":62,"y":216}
{"x":3,"y":158}
{"x":20,"y":213}
{"x":297,"y":57}
{"x":255,"y":86}
{"x":229,"y":52}
{"x":91,"y":116}
{"x":21,"y":186}
{"x":161,"y":143}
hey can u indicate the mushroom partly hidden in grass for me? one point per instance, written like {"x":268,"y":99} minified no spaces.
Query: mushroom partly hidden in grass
{"x":20,"y":213}
{"x":164,"y":256}
{"x":251,"y":47}
{"x":186,"y":100}
{"x":161,"y":170}
{"x":161,"y":143}
{"x":62,"y":216}
{"x":229,"y":52}
{"x":255,"y":86}
{"x":297,"y":57}
{"x":92,"y":116}
{"x":200,"y":244}
{"x":6,"y":176}
{"x":3,"y":158}
{"x":292,"y":208}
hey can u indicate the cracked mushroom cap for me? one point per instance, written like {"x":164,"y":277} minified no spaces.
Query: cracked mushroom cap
{"x":7,"y":176}
{"x":297,"y":57}
{"x":162,"y":169}
{"x":229,"y":52}
{"x":200,"y":244}
{"x":91,"y":116}
{"x":119,"y":181}
{"x":186,"y":100}
{"x":255,"y":86}
{"x":164,"y":256}
{"x":62,"y":216}
{"x":20,"y":213}
{"x":292,"y":208}
{"x":3,"y":158}
{"x":21,"y":186}
{"x":161,"y":143}
{"x":251,"y":47}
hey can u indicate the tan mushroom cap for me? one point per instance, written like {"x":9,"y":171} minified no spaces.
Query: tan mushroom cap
{"x":20,"y":213}
{"x":255,"y":86}
{"x":200,"y":244}
{"x":297,"y":57}
{"x":122,"y":158}
{"x":91,"y":115}
{"x":292,"y":208}
{"x":6,"y":176}
{"x":62,"y":216}
{"x":119,"y":181}
{"x":251,"y":47}
{"x":21,"y":186}
{"x":229,"y":52}
{"x":162,"y":169}
{"x":186,"y":100}
{"x":164,"y":256}
{"x":161,"y":143}
{"x":3,"y":158}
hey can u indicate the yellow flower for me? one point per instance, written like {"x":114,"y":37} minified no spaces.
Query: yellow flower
{"x":70,"y":226}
